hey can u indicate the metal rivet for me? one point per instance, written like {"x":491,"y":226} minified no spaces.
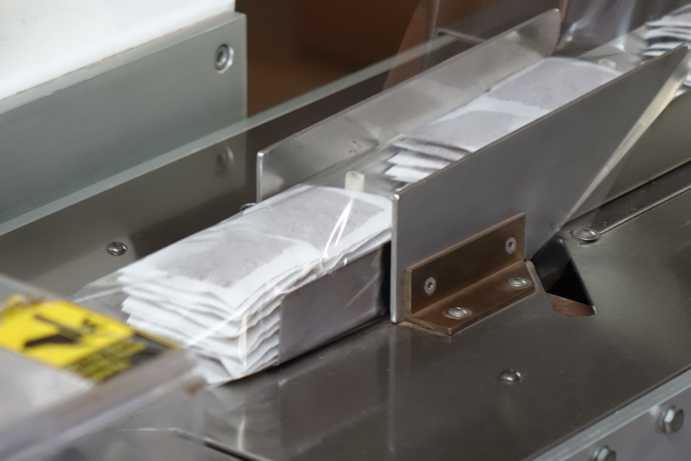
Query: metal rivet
{"x":458,"y":313}
{"x":510,"y":245}
{"x":586,"y":234}
{"x":604,"y":454}
{"x":430,"y":286}
{"x":510,"y":377}
{"x":116,"y":248}
{"x":671,"y":420}
{"x":519,"y":283}
{"x":223,"y":58}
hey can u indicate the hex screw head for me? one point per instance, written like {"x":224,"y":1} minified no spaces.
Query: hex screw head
{"x":116,"y":248}
{"x":458,"y":313}
{"x":430,"y":286}
{"x":671,"y":420}
{"x":586,"y":235}
{"x":604,"y":454}
{"x":510,"y":377}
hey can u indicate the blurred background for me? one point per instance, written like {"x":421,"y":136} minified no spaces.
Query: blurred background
{"x":297,"y":45}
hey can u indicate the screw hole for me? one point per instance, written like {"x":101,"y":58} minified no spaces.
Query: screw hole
{"x":223,"y":58}
{"x":511,"y":245}
{"x":430,"y":286}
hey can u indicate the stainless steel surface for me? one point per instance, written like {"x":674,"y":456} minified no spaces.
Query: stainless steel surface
{"x":434,"y":93}
{"x":403,"y":393}
{"x":66,"y":250}
{"x":88,"y":125}
{"x":571,"y":151}
{"x":354,"y":295}
{"x":634,"y":430}
{"x":638,"y":201}
{"x":664,"y":147}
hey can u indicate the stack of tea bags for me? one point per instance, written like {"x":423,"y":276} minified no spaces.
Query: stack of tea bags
{"x":511,"y":104}
{"x":667,"y":33}
{"x":219,"y":292}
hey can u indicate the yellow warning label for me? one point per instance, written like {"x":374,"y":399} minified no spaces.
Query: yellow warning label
{"x":64,"y":335}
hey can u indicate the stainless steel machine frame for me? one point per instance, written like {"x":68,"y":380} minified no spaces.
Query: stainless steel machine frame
{"x":527,"y":382}
{"x":71,"y":135}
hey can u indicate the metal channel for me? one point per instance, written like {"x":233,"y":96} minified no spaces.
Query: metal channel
{"x":545,"y":170}
{"x":394,"y":393}
{"x":432,"y":94}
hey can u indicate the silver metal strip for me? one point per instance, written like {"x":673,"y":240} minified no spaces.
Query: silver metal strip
{"x":408,"y":105}
{"x":544,"y":170}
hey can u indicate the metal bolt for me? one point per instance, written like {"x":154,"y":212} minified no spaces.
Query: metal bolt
{"x":510,"y":377}
{"x":671,"y":420}
{"x":586,"y":235}
{"x":116,"y":248}
{"x":510,"y":245}
{"x":430,"y":286}
{"x":223,"y":58}
{"x":458,"y":313}
{"x":519,"y":283}
{"x":604,"y":454}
